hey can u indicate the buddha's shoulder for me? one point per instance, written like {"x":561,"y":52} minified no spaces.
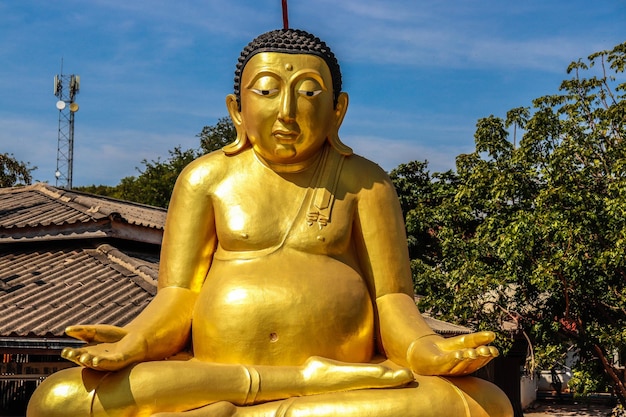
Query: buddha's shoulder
{"x":211,"y":168}
{"x":361,"y":169}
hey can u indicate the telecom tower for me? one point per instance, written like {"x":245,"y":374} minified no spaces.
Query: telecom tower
{"x":65,"y":88}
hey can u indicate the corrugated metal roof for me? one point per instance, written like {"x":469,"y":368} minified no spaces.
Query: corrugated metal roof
{"x":41,"y":211}
{"x":442,"y":327}
{"x":46,"y":288}
{"x":445,"y":328}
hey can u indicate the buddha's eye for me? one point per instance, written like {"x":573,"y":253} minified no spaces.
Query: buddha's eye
{"x":309,"y":93}
{"x":309,"y":88}
{"x":266,"y":86}
{"x":263,"y":92}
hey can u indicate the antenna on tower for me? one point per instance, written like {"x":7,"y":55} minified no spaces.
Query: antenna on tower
{"x":65,"y":89}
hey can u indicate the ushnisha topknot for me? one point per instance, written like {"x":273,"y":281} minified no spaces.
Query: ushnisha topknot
{"x":290,"y":41}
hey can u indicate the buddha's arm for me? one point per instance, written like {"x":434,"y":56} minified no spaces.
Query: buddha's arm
{"x":190,"y":239}
{"x":188,"y":245}
{"x":163,"y":327}
{"x":405,"y":336}
{"x":384,"y":259}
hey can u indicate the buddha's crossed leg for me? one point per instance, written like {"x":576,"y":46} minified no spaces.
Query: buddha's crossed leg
{"x":171,"y":386}
{"x":428,"y":396}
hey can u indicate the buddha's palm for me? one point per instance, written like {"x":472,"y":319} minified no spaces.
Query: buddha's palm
{"x":108,"y":348}
{"x":455,"y":356}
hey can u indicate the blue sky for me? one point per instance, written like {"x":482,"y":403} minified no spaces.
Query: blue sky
{"x":153,"y":73}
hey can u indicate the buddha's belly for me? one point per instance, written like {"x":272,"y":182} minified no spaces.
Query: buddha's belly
{"x":282,"y":309}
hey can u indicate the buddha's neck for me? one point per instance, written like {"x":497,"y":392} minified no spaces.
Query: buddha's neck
{"x":289,"y":168}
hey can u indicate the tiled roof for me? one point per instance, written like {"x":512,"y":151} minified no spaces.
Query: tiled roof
{"x":41,"y":211}
{"x":44,"y":288}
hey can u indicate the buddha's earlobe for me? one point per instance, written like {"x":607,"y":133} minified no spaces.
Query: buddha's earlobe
{"x":333,"y":137}
{"x":232,"y":105}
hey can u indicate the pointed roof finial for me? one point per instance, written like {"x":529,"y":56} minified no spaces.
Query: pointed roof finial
{"x":285,"y":15}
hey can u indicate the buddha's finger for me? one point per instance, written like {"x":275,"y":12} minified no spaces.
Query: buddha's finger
{"x":85,"y":359}
{"x":67,"y":353}
{"x":472,"y":340}
{"x":471,"y":354}
{"x":96,"y":333}
{"x":487,"y":351}
{"x":84,"y":333}
{"x":78,"y":356}
{"x":480,"y":352}
{"x":98,"y":362}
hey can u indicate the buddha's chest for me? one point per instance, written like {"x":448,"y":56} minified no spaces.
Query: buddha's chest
{"x":274,"y":212}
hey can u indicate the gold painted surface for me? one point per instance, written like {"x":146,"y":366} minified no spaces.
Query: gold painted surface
{"x":286,"y":264}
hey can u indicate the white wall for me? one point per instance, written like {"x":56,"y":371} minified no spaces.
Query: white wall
{"x":528,"y":391}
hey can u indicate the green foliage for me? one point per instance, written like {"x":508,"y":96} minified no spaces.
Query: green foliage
{"x":421,"y":197}
{"x":585,"y":381}
{"x":104,"y":190}
{"x":14,"y":172}
{"x":156,"y":181}
{"x":534,"y":233}
{"x":216,"y":137}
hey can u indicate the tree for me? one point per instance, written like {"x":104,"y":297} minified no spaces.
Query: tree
{"x":104,"y":190}
{"x":423,"y":201}
{"x":14,"y":172}
{"x":156,"y":181}
{"x":536,"y":234}
{"x":216,"y":137}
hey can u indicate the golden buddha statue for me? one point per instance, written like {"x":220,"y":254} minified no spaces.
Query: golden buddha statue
{"x":284,"y":261}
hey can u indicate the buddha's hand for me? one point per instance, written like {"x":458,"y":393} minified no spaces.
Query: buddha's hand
{"x":109,"y":348}
{"x":455,"y":356}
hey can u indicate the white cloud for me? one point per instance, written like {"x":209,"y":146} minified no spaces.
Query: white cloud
{"x":389,"y":153}
{"x":461,"y":34}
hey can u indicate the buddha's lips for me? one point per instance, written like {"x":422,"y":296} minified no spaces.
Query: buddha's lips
{"x":285,"y":136}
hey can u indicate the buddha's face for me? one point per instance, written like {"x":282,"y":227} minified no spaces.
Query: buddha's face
{"x":287,"y":106}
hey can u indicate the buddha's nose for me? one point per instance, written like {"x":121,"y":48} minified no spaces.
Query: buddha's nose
{"x":287,"y":111}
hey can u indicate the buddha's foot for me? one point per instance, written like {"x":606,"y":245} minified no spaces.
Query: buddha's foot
{"x":220,"y":409}
{"x":226,"y":409}
{"x":327,"y":375}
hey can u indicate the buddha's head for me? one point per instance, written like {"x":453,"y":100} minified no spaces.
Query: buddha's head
{"x":288,"y":100}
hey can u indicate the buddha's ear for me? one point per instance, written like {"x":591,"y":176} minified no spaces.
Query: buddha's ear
{"x":340,"y":112}
{"x":340,"y":109}
{"x":232,"y":105}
